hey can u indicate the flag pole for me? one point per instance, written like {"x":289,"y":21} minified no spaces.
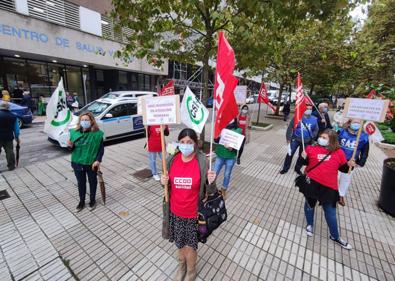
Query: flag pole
{"x":356,"y":144}
{"x":164,"y":165}
{"x":259,"y":111}
{"x":302,"y":127}
{"x":212,"y":133}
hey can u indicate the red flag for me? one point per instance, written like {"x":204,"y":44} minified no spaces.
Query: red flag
{"x":263,"y":96}
{"x":308,"y":100}
{"x":167,"y":89}
{"x":225,"y":83}
{"x":300,"y":105}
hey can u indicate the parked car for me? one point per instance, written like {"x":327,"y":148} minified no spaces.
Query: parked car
{"x":23,"y":113}
{"x":116,"y":116}
{"x":128,"y":94}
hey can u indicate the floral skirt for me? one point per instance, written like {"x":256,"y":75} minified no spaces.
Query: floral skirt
{"x":183,"y":231}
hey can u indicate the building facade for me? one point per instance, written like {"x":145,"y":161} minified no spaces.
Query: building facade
{"x":42,"y":41}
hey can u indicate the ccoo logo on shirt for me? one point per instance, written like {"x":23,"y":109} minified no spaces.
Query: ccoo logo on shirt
{"x":183,"y":183}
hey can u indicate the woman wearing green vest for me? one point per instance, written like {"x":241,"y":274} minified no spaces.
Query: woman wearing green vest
{"x":226,"y":156}
{"x":86,"y":140}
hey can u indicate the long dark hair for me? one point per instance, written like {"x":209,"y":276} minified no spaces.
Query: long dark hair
{"x":187,"y":132}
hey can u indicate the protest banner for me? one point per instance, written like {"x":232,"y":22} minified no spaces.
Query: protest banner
{"x":241,"y":94}
{"x":365,"y":110}
{"x":162,"y":110}
{"x":193,"y":113}
{"x":231,"y":139}
{"x":373,"y":132}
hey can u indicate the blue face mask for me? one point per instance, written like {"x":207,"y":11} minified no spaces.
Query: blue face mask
{"x":186,"y":149}
{"x":325,"y":110}
{"x":355,"y":126}
{"x":308,"y":112}
{"x":85,"y":124}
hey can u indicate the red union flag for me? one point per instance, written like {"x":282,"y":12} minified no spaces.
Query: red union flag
{"x":167,"y":89}
{"x":263,"y":97}
{"x":225,"y":83}
{"x":300,"y":105}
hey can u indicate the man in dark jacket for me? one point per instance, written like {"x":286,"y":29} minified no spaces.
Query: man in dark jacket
{"x":309,"y":128}
{"x":9,"y":130}
{"x":287,"y":109}
{"x":322,"y":116}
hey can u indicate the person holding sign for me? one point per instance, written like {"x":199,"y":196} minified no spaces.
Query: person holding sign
{"x":348,"y":140}
{"x":154,"y":147}
{"x":86,"y":140}
{"x":308,"y":126}
{"x":243,"y":122}
{"x":226,"y":156}
{"x":323,"y":162}
{"x":187,"y":185}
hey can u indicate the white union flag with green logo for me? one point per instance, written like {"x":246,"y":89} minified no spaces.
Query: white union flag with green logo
{"x":193,"y":113}
{"x":58,"y":114}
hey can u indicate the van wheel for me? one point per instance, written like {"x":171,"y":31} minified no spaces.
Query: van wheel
{"x":20,"y":123}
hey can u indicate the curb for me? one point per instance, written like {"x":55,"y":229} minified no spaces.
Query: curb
{"x":262,"y":128}
{"x":385,"y":145}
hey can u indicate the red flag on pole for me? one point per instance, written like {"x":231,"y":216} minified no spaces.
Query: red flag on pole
{"x":225,"y":83}
{"x":167,"y":89}
{"x":308,"y":100}
{"x":263,"y":96}
{"x":300,"y":105}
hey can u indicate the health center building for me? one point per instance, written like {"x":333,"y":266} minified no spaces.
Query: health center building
{"x":42,"y":41}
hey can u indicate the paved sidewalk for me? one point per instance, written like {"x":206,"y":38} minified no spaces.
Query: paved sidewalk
{"x":42,"y":238}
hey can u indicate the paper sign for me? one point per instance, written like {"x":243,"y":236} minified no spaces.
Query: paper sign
{"x":241,"y":94}
{"x":161,"y":110}
{"x":373,"y":132}
{"x":366,"y":109}
{"x":231,"y":138}
{"x":140,"y":105}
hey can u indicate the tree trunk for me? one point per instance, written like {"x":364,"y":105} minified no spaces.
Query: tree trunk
{"x":205,"y":78}
{"x":311,"y":90}
{"x":280,"y":94}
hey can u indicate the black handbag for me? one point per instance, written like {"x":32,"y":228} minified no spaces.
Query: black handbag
{"x":211,"y":214}
{"x":302,"y":181}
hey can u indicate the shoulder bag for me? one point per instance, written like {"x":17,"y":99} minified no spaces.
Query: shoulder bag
{"x":302,"y":181}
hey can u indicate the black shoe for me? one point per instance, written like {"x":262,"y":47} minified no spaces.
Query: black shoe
{"x":341,"y":242}
{"x":283,"y":172}
{"x":80,"y":206}
{"x":298,"y":172}
{"x":92,"y":205}
{"x":238,"y":161}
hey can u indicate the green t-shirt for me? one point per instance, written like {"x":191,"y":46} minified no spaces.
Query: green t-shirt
{"x":223,"y":152}
{"x":86,"y":146}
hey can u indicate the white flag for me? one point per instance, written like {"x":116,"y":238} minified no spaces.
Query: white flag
{"x":58,"y":114}
{"x":193,"y":113}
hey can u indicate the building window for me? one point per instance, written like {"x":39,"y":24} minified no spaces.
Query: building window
{"x":100,"y":75}
{"x":38,"y":79}
{"x":123,"y":78}
{"x":74,"y":83}
{"x":135,"y":84}
{"x":16,"y":77}
{"x":55,"y":72}
{"x":147,"y":82}
{"x":141,"y":81}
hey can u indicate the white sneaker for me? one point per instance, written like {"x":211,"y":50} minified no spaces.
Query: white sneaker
{"x":341,"y":242}
{"x":156,"y":177}
{"x":309,"y":230}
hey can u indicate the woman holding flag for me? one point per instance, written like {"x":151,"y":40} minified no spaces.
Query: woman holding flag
{"x":187,"y":185}
{"x":323,"y":163}
{"x":86,"y":140}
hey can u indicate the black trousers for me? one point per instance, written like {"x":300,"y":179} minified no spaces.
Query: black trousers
{"x":81,"y":173}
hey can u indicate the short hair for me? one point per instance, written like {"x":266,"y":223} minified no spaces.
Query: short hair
{"x":322,"y":104}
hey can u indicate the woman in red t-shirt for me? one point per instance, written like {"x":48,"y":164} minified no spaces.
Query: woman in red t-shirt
{"x":243,"y":120}
{"x":184,"y":189}
{"x":323,"y":162}
{"x":154,"y":147}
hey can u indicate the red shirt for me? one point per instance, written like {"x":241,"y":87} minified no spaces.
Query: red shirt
{"x":243,"y":123}
{"x":326,"y":172}
{"x":154,"y":144}
{"x":185,"y":187}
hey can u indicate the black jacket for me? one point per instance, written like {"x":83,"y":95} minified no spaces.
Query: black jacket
{"x":321,"y":125}
{"x":7,"y":125}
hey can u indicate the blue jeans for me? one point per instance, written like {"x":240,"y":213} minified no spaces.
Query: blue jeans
{"x":152,"y":161}
{"x":229,"y":163}
{"x":330,"y":216}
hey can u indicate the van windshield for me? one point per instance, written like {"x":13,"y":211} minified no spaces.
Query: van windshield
{"x":95,"y":107}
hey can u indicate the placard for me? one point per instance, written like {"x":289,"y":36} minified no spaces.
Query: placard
{"x":241,"y":94}
{"x":366,"y":109}
{"x":163,"y":110}
{"x":231,"y":138}
{"x":193,"y":113}
{"x":374,"y":133}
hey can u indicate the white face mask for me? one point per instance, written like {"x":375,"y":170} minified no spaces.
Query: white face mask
{"x":323,"y":142}
{"x":244,"y":111}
